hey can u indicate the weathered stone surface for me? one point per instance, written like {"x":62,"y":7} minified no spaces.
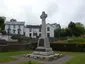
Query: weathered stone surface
{"x":43,"y":47}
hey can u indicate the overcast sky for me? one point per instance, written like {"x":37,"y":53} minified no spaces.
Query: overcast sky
{"x":59,"y":11}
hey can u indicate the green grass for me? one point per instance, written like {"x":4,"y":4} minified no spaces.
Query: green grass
{"x":5,"y":57}
{"x":14,"y":53}
{"x":78,"y":57}
{"x":32,"y":62}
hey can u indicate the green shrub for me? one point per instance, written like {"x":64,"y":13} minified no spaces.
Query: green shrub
{"x":77,"y":40}
{"x":3,"y":32}
{"x":20,"y":38}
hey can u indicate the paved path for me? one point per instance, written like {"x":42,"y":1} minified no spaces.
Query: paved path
{"x":24,"y":59}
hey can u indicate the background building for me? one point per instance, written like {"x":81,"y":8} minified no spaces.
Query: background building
{"x":33,"y":31}
{"x":14,"y":27}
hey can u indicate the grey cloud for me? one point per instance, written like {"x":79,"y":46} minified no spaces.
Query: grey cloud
{"x":52,"y":9}
{"x":79,"y":15}
{"x":59,"y":11}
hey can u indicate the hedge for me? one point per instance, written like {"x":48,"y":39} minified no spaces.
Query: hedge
{"x":55,"y":47}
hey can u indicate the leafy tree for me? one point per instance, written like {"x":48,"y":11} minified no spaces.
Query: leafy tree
{"x":63,"y":32}
{"x":2,"y":20}
{"x":57,"y":33}
{"x":68,"y":32}
{"x":80,"y":29}
{"x":76,"y":29}
{"x":72,"y":28}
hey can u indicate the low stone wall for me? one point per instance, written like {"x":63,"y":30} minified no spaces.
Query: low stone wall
{"x":15,"y":46}
{"x":6,"y":48}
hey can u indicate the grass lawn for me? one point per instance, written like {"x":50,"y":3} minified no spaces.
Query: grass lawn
{"x":32,"y":62}
{"x":78,"y":58}
{"x":5,"y":57}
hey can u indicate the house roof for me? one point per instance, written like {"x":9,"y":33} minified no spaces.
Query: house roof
{"x":39,"y":26}
{"x":33,"y":26}
{"x":7,"y":22}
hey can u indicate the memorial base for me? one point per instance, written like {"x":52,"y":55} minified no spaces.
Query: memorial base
{"x":46,"y":58}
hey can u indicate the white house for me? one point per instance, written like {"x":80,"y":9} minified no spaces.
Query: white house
{"x":34,"y":31}
{"x":14,"y":27}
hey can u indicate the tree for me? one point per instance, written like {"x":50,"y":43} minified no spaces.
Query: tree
{"x":80,"y":29}
{"x":2,"y":20}
{"x":68,"y":32}
{"x":63,"y":33}
{"x":2,"y":25}
{"x":57,"y":33}
{"x":72,"y":28}
{"x":77,"y":29}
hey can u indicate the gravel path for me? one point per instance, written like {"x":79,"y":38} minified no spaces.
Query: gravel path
{"x":24,"y":59}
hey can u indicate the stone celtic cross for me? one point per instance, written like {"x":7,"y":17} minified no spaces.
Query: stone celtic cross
{"x":43,"y":16}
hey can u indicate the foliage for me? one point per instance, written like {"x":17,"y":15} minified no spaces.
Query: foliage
{"x":77,"y":40}
{"x":76,"y":29}
{"x":20,"y":38}
{"x":3,"y":32}
{"x":71,"y":25}
{"x":2,"y":20}
{"x":68,"y":32}
{"x":73,"y":29}
{"x":57,"y":33}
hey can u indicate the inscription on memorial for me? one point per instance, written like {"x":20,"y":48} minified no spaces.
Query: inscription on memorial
{"x":41,"y":42}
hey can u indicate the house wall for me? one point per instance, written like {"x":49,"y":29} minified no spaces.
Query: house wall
{"x":16,"y":24}
{"x":36,"y":30}
{"x":51,"y":30}
{"x":27,"y":30}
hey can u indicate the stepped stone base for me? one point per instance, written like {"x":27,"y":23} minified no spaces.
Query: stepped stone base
{"x":43,"y":51}
{"x":46,"y":58}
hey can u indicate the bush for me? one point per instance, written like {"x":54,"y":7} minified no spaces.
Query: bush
{"x":20,"y":38}
{"x":77,"y":40}
{"x":3,"y":32}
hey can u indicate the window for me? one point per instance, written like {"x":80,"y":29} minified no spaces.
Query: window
{"x":19,"y":31}
{"x":9,"y":26}
{"x":24,"y":33}
{"x":14,"y":26}
{"x":19,"y":26}
{"x":40,"y":35}
{"x":14,"y":31}
{"x":9,"y":30}
{"x":48,"y":34}
{"x":48,"y":28}
{"x":30,"y":30}
{"x":39,"y":29}
{"x":35,"y":34}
